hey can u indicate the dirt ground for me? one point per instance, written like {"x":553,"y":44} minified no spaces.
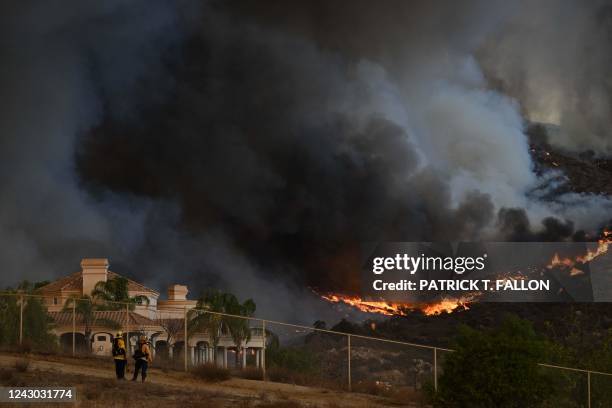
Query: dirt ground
{"x":97,"y":387}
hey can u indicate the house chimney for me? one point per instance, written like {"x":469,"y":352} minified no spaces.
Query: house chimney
{"x":94,"y":270}
{"x":177,"y":292}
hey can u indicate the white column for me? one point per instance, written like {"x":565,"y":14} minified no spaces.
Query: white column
{"x":257,"y":360}
{"x":224,"y":357}
{"x":192,"y":355}
{"x":244,"y":353}
{"x":170,"y":351}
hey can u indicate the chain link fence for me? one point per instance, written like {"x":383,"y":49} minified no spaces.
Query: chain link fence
{"x":253,"y":348}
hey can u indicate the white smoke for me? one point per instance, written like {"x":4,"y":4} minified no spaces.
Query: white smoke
{"x":554,"y":56}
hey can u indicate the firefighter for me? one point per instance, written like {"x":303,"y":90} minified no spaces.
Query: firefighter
{"x":119,"y":355}
{"x":143,"y":357}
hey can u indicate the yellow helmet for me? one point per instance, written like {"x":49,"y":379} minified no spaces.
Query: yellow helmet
{"x":119,"y":334}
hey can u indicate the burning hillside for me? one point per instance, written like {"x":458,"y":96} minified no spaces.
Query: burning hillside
{"x":449,"y":304}
{"x":445,"y":305}
{"x":570,"y":263}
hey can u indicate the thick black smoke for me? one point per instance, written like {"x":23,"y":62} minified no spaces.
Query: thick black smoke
{"x":256,"y":143}
{"x":254,"y":146}
{"x":61,"y":67}
{"x":514,"y":226}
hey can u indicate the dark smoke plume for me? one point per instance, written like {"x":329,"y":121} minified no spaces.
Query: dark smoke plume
{"x":254,"y":146}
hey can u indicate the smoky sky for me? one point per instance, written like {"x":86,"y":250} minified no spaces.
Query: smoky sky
{"x":252,"y":146}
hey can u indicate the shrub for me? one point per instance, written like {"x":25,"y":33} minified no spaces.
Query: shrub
{"x":285,"y":375}
{"x":211,"y":373}
{"x":6,"y":376}
{"x":494,"y":368}
{"x":25,"y":347}
{"x":93,"y":392}
{"x":281,"y":404}
{"x":296,"y":359}
{"x":369,"y":387}
{"x":600,"y":359}
{"x":22,"y":365}
{"x":250,"y":373}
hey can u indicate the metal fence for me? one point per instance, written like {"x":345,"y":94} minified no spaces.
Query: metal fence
{"x":266,"y":349}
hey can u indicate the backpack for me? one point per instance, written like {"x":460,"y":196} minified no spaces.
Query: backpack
{"x":138,"y":354}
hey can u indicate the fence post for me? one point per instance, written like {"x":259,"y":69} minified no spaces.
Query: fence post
{"x":74,"y":326}
{"x":185,"y":347}
{"x":435,"y":368}
{"x":589,"y":388}
{"x":127,"y":328}
{"x":20,"y":320}
{"x":349,"y":362}
{"x":263,"y":351}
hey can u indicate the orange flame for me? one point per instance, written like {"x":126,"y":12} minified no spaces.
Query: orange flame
{"x":446,"y":306}
{"x":449,"y":304}
{"x":400,"y":309}
{"x":602,"y":248}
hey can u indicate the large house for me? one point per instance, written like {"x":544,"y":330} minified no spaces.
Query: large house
{"x":161,"y":320}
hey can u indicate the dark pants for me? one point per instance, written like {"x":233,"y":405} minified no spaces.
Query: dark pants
{"x":120,"y":368}
{"x":140,"y":365}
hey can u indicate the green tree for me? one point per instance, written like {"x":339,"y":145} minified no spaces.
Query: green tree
{"x":114,"y":294}
{"x":211,"y":323}
{"x":239,"y":328}
{"x":600,"y":359}
{"x":216,"y":324}
{"x":495,"y":368}
{"x":86,"y":308}
{"x":9,"y":320}
{"x":37,"y":323}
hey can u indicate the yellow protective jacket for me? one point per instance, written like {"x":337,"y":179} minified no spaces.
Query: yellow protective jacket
{"x":121,"y":346}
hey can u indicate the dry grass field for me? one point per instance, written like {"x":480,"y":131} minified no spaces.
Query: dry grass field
{"x":96,"y":387}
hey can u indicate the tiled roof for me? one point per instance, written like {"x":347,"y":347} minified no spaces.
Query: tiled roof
{"x":133,"y":285}
{"x":75,"y":282}
{"x":136,"y":320}
{"x":70,"y":282}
